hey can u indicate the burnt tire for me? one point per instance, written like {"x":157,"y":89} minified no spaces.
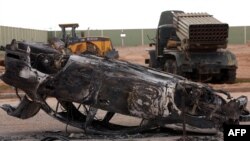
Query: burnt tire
{"x":152,"y":59}
{"x":170,"y":66}
{"x":231,"y":76}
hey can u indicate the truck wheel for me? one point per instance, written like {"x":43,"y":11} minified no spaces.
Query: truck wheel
{"x":152,"y":59}
{"x":170,"y":66}
{"x":231,"y":76}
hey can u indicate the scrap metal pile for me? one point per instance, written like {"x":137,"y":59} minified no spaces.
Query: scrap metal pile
{"x":159,"y":99}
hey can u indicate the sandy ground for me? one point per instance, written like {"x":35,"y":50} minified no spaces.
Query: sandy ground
{"x":42,"y":125}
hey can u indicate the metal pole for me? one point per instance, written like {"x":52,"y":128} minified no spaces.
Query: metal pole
{"x":245,"y":34}
{"x":102,"y":33}
{"x":122,"y":42}
{"x":88,"y":31}
{"x":122,"y":39}
{"x":142,"y":37}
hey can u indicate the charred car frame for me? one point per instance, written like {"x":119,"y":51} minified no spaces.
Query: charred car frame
{"x":160,"y":99}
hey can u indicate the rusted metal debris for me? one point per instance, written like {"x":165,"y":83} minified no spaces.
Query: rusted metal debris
{"x":116,"y":87}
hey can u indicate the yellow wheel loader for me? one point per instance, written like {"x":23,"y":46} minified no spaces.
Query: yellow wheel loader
{"x":100,"y":46}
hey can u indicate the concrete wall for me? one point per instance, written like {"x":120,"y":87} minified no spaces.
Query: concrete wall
{"x":239,"y":35}
{"x":9,"y":33}
{"x":134,"y":37}
{"x":236,"y":35}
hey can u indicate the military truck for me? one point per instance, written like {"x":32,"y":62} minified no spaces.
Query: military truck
{"x":193,"y":45}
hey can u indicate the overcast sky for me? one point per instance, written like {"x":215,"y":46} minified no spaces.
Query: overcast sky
{"x":113,"y":14}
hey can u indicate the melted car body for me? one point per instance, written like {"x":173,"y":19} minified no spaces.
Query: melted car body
{"x":160,"y":99}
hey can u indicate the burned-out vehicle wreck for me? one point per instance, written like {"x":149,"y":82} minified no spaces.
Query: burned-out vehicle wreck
{"x":160,"y":99}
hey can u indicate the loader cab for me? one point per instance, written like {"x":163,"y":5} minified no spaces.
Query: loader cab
{"x":67,"y":38}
